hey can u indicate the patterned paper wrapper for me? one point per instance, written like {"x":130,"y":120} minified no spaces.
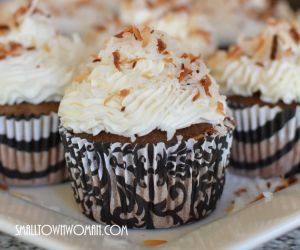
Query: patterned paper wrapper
{"x":31,"y":152}
{"x":147,"y":186}
{"x":266,"y":140}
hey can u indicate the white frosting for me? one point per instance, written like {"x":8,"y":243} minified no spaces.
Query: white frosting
{"x":191,"y":30}
{"x":139,"y":12}
{"x":69,"y":16}
{"x":43,"y":65}
{"x":177,"y":18}
{"x":232,"y":18}
{"x":145,"y":93}
{"x":78,"y":16}
{"x":263,"y":65}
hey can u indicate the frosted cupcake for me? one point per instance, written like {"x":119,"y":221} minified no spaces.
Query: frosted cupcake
{"x":36,"y":64}
{"x":146,"y":134}
{"x":138,"y":12}
{"x":190,"y":28}
{"x":233,"y":18}
{"x":261,"y":77}
{"x":177,"y":18}
{"x":78,"y":16}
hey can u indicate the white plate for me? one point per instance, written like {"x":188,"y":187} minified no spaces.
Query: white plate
{"x":254,"y":224}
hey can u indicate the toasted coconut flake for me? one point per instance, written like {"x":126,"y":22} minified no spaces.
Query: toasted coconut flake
{"x":258,"y":198}
{"x":192,"y":57}
{"x":279,"y":188}
{"x":206,"y":82}
{"x":3,"y":187}
{"x":108,"y":99}
{"x":272,"y":21}
{"x":153,"y":243}
{"x":100,"y":28}
{"x":184,"y":73}
{"x":4,"y":29}
{"x":98,"y":59}
{"x":134,"y":64}
{"x":288,"y":52}
{"x":117,"y":60}
{"x":168,"y":60}
{"x":260,"y":64}
{"x":47,"y":48}
{"x":260,"y":44}
{"x":274,"y":48}
{"x":161,"y":46}
{"x":146,"y":36}
{"x":230,"y":207}
{"x":220,"y":108}
{"x":15,"y":46}
{"x":124,"y":92}
{"x":81,"y":77}
{"x":205,"y":35}
{"x":295,"y":35}
{"x":234,"y":52}
{"x":240,"y":191}
{"x":31,"y":48}
{"x":155,"y":4}
{"x":196,"y":97}
{"x":133,"y":30}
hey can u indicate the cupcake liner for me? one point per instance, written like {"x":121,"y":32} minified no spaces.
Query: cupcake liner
{"x":266,"y":140}
{"x":31,"y":152}
{"x":147,"y":186}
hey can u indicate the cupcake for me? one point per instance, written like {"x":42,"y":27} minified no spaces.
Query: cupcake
{"x":190,"y":28}
{"x":138,"y":12}
{"x":232,"y":18}
{"x":78,"y":16}
{"x":36,"y":64}
{"x":260,"y":76}
{"x":145,"y":133}
{"x":177,"y":18}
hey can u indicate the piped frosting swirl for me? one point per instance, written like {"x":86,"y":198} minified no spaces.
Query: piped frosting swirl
{"x":267,"y":64}
{"x":36,"y":62}
{"x":140,"y":82}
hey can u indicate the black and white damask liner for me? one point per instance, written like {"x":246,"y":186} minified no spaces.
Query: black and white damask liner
{"x":30,"y":148}
{"x":266,"y":140}
{"x":147,"y":186}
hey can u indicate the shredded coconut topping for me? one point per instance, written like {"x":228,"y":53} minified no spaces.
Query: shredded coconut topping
{"x":143,"y":82}
{"x":267,"y":63}
{"x":36,"y":62}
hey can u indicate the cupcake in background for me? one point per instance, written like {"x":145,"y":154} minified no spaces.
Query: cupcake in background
{"x":139,"y":12}
{"x":146,"y":133}
{"x":232,"y":18}
{"x":36,"y":64}
{"x":190,"y":28}
{"x":94,"y":20}
{"x":177,"y":18}
{"x":261,"y":77}
{"x":78,"y":16}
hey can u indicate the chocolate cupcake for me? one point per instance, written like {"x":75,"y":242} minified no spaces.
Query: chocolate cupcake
{"x":36,"y":64}
{"x":260,"y":76}
{"x":146,"y":135}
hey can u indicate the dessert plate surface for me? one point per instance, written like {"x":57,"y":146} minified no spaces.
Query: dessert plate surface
{"x":240,"y":221}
